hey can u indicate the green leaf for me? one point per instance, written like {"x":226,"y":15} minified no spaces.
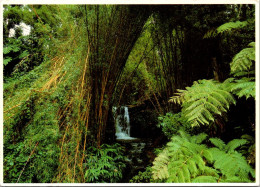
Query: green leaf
{"x":24,"y":54}
{"x":7,"y":60}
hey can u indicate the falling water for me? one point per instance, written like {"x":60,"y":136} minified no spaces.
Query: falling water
{"x":122,"y":123}
{"x":136,"y":149}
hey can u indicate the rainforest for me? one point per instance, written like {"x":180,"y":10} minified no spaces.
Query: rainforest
{"x":129,"y":93}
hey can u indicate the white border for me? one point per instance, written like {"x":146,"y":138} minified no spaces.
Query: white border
{"x":130,"y":2}
{"x":1,"y":96}
{"x":192,"y":2}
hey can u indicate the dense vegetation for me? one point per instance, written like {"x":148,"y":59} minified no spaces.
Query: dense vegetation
{"x":194,"y":65}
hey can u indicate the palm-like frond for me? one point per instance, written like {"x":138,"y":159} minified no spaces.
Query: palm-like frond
{"x":226,"y":28}
{"x":187,"y":160}
{"x":203,"y":100}
{"x":242,"y":62}
{"x":232,"y":145}
{"x":205,"y":179}
{"x":218,"y":143}
{"x":160,"y":169}
{"x":244,"y":87}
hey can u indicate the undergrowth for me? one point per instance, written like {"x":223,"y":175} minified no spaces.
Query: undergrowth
{"x":187,"y":159}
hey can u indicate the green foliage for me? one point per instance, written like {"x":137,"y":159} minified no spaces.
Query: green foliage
{"x":242,"y":68}
{"x":244,"y":87}
{"x":186,"y":159}
{"x":172,"y":123}
{"x":203,"y":100}
{"x":230,"y":163}
{"x":225,"y":28}
{"x":105,"y":164}
{"x":19,"y":142}
{"x":248,"y":150}
{"x":143,"y":177}
{"x":48,"y":87}
{"x":242,"y":62}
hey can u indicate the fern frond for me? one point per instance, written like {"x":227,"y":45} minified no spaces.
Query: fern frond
{"x":225,"y":28}
{"x":207,"y":154}
{"x":185,"y":136}
{"x":231,"y":163}
{"x":244,"y":87}
{"x":179,"y":98}
{"x":243,"y":60}
{"x":244,"y":73}
{"x":218,"y":143}
{"x":235,"y":143}
{"x":160,"y":169}
{"x":185,"y":159}
{"x":203,"y":100}
{"x":248,"y":137}
{"x":205,"y":179}
{"x":199,"y":138}
{"x":234,"y":179}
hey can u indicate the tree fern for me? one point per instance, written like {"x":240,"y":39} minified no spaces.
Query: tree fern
{"x":218,"y":143}
{"x":203,"y":100}
{"x":230,"y":162}
{"x":242,"y":66}
{"x":232,"y":145}
{"x":205,"y":179}
{"x":160,"y":170}
{"x":225,"y":28}
{"x":242,"y":62}
{"x":185,"y":159}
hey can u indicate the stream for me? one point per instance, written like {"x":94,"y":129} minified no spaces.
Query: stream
{"x":136,"y":149}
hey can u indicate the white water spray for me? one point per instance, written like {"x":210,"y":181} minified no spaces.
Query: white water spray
{"x":122,"y":122}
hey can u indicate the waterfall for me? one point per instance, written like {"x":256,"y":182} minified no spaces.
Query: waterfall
{"x":122,"y":123}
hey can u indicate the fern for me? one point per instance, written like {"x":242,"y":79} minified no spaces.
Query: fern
{"x":160,"y":170}
{"x":232,"y":145}
{"x":185,"y":159}
{"x":225,"y":28}
{"x":242,"y":62}
{"x":205,"y":179}
{"x":203,"y":100}
{"x":230,"y":162}
{"x":244,"y":87}
{"x":248,"y":149}
{"x":218,"y":143}
{"x":7,"y":60}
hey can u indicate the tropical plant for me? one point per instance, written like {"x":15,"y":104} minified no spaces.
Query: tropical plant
{"x":186,"y":159}
{"x":242,"y":61}
{"x":143,"y":177}
{"x":232,"y":164}
{"x":243,"y":67}
{"x":248,"y":150}
{"x":203,"y":100}
{"x":225,"y":28}
{"x":105,"y":164}
{"x":172,"y":123}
